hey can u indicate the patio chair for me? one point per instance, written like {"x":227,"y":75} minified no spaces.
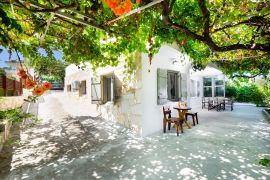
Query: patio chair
{"x":168,"y":119}
{"x":205,"y":102}
{"x":213,"y":104}
{"x":222,"y":104}
{"x":229,"y":102}
{"x":193,"y":115}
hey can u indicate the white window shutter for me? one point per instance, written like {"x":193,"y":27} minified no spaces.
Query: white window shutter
{"x":113,"y":88}
{"x":179,"y":85}
{"x":96,"y":91}
{"x":183,"y":85}
{"x":162,"y":94}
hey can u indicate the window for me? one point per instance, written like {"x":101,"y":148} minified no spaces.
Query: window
{"x":207,"y":87}
{"x":219,"y":91}
{"x":219,"y":86}
{"x":83,"y":87}
{"x":107,"y":89}
{"x":68,"y":88}
{"x":207,"y":81}
{"x":102,"y":89}
{"x":207,"y":91}
{"x":213,"y":86}
{"x":173,"y":85}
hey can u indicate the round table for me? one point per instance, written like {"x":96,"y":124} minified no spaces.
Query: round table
{"x":182,"y":112}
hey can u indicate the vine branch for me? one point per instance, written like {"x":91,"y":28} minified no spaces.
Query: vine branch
{"x":206,"y":38}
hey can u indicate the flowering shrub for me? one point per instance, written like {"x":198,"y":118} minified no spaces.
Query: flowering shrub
{"x":29,"y":83}
{"x":120,"y":7}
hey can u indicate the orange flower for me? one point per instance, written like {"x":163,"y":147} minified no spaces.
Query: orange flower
{"x":24,"y":76}
{"x":120,"y":7}
{"x":138,"y":2}
{"x":46,"y":86}
{"x":21,"y":73}
{"x":112,"y":3}
{"x":29,"y":83}
{"x":38,"y":91}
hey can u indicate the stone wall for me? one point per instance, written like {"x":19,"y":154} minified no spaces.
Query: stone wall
{"x":127,"y":108}
{"x":11,"y":102}
{"x":4,"y":134}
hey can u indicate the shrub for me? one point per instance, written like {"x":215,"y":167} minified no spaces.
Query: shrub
{"x":1,"y":92}
{"x":9,"y":92}
{"x":14,"y":115}
{"x":264,"y":162}
{"x":248,"y":93}
{"x":231,"y":91}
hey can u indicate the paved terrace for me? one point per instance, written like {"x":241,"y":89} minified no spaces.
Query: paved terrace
{"x":70,"y":144}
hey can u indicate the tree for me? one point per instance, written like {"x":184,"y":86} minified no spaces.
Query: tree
{"x":233,"y":34}
{"x":48,"y":67}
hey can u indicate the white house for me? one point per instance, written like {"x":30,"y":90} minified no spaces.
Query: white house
{"x":136,"y":102}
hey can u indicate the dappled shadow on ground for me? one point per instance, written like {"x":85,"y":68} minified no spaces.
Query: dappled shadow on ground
{"x":223,"y":146}
{"x":97,"y":149}
{"x":8,"y":150}
{"x":49,"y":141}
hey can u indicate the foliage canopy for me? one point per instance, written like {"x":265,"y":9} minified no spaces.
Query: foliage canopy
{"x":234,"y":34}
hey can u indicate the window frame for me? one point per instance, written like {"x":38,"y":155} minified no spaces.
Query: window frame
{"x":105,"y":91}
{"x":204,"y":86}
{"x":83,"y":91}
{"x":218,"y":86}
{"x":177,"y":86}
{"x":213,"y":85}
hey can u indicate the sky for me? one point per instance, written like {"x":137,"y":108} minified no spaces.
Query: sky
{"x":4,"y":56}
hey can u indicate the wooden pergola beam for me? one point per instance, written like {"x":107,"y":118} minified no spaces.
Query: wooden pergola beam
{"x":47,"y":28}
{"x":80,"y":13}
{"x":64,"y":15}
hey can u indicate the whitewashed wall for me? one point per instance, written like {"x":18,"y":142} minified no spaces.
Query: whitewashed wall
{"x":152,"y":119}
{"x":198,"y":76}
{"x":135,"y":106}
{"x":195,"y":102}
{"x":127,"y":108}
{"x":73,"y":73}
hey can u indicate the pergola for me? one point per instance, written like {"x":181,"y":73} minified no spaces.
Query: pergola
{"x":80,"y":17}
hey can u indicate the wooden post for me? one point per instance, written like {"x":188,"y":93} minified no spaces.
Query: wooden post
{"x":4,"y":80}
{"x":14,"y":87}
{"x":21,"y":87}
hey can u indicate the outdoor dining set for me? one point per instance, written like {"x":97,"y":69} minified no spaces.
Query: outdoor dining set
{"x":178,"y":122}
{"x":183,"y":112}
{"x":217,"y":103}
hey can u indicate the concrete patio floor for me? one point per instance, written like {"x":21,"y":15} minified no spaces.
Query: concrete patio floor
{"x":70,"y":144}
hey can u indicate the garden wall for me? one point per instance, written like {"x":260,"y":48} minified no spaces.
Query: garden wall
{"x":10,"y":87}
{"x":4,"y":132}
